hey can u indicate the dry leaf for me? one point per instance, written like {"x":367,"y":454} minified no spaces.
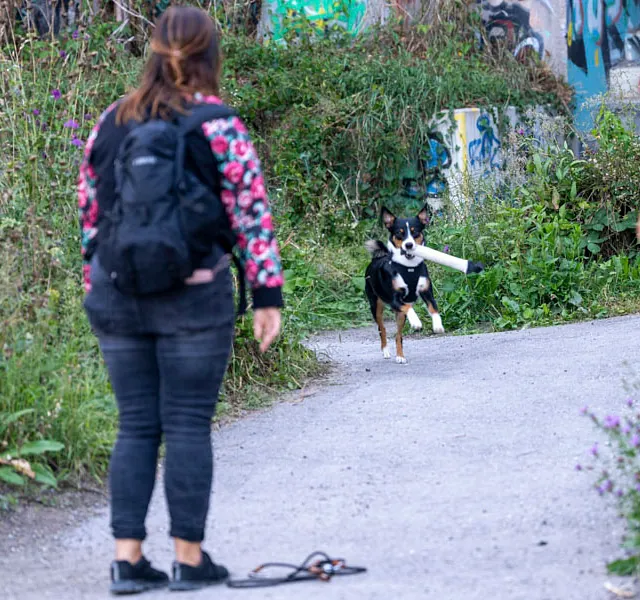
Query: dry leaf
{"x":20,"y":465}
{"x":620,"y":592}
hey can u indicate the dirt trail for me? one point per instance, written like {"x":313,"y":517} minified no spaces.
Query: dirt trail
{"x":451,"y":477}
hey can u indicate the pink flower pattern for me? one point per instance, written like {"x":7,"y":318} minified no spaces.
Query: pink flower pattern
{"x":87,"y":202}
{"x":249,"y":213}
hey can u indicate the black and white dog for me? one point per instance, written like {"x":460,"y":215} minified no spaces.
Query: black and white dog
{"x":397,"y":276}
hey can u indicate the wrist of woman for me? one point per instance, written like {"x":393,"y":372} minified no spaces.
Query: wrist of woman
{"x":267,"y":297}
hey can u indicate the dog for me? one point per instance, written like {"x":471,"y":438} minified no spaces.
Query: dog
{"x":397,"y":277}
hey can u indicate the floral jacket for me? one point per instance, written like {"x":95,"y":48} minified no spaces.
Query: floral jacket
{"x":243,"y":195}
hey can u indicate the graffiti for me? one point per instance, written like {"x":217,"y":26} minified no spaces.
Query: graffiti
{"x":433,"y":164}
{"x":510,"y":21}
{"x":485,"y":151}
{"x":293,"y":15}
{"x":601,"y":34}
{"x":599,"y":19}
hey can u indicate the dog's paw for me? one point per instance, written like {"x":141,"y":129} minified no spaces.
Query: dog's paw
{"x":414,"y":320}
{"x":401,"y":360}
{"x":436,"y":323}
{"x":386,"y":353}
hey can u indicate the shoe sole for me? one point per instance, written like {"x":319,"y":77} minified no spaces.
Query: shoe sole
{"x":132,"y":586}
{"x":190,"y":586}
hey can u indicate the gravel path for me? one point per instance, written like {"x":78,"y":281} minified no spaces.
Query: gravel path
{"x":451,"y":477}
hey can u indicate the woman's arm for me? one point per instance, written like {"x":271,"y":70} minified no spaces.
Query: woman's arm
{"x":245,"y":201}
{"x":88,"y":202}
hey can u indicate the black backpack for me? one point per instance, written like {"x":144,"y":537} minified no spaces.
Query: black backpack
{"x":164,"y":219}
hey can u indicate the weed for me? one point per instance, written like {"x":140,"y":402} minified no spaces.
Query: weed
{"x":619,"y":477}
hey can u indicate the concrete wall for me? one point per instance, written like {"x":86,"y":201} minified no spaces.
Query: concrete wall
{"x":468,"y":150}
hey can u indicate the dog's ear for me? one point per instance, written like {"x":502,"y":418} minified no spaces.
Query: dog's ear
{"x":423,"y":215}
{"x":388,"y":218}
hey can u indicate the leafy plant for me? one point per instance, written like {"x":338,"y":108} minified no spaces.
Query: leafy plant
{"x":599,"y":191}
{"x":13,"y":465}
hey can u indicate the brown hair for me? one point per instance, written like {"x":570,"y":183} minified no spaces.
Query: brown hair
{"x":185,"y":59}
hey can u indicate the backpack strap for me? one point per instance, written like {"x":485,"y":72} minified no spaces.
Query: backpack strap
{"x":199,"y":114}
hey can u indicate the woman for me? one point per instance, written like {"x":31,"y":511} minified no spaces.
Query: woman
{"x":166,"y":354}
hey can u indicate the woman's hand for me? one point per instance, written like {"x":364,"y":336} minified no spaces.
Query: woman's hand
{"x":266,"y":326}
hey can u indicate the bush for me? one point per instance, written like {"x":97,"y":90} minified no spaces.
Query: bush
{"x":599,"y":191}
{"x":536,"y":273}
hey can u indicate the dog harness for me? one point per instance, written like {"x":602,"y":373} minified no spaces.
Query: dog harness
{"x":411,"y":276}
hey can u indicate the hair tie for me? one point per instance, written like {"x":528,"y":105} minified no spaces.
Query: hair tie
{"x":172,"y":52}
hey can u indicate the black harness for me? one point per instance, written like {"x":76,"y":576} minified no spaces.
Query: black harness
{"x":411,"y":275}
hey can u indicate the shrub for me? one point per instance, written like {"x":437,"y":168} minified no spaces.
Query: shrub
{"x":599,"y":190}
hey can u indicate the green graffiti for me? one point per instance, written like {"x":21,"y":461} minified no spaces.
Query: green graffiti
{"x":315,"y":15}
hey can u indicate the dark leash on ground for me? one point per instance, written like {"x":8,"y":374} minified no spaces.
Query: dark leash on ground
{"x":323,"y":568}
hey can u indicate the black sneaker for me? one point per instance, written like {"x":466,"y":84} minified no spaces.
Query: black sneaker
{"x":133,"y":579}
{"x":187,"y":578}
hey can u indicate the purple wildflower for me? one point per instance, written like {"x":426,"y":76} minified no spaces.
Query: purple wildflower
{"x":71,"y":124}
{"x":63,"y":54}
{"x":608,"y":485}
{"x":619,"y":493}
{"x":36,"y":112}
{"x":521,"y":131}
{"x":635,"y":440}
{"x":578,"y":467}
{"x":75,"y":35}
{"x":611,"y":422}
{"x":88,"y":117}
{"x":76,"y":141}
{"x":626,"y":429}
{"x":594,"y":449}
{"x":56,"y":94}
{"x":446,"y":249}
{"x":629,"y":402}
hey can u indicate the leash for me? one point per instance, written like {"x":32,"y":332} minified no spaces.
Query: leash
{"x":322,"y":569}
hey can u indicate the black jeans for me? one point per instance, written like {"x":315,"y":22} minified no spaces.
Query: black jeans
{"x":166,"y":357}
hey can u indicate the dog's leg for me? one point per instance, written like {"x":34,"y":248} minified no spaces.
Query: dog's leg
{"x":379,"y":317}
{"x":432,"y":307}
{"x":401,"y":318}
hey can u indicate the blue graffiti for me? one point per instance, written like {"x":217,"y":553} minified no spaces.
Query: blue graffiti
{"x":485,"y":151}
{"x":436,"y":159}
{"x":600,"y":35}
